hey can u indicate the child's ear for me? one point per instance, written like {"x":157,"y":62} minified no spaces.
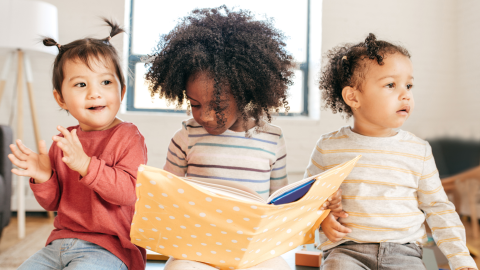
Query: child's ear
{"x":124,"y":90}
{"x":60,"y":100}
{"x":350,"y":97}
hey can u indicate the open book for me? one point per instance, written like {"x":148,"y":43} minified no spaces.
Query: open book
{"x":286,"y":194}
{"x":223,"y":225}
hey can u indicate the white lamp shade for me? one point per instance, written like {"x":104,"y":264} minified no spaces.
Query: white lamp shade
{"x":24,"y":23}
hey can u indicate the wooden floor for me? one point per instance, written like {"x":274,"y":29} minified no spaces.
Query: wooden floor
{"x":9,"y":237}
{"x":10,"y":233}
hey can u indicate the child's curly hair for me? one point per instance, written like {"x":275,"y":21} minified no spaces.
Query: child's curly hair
{"x":346,"y":67}
{"x":247,"y":56}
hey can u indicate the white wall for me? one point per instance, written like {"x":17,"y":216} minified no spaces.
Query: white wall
{"x":441,"y":36}
{"x":427,"y":29}
{"x":467,"y":89}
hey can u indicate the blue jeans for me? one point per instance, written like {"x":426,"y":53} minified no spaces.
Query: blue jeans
{"x":72,"y":253}
{"x":381,"y":256}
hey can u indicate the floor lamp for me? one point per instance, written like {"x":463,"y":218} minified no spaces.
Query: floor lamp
{"x":23,"y":23}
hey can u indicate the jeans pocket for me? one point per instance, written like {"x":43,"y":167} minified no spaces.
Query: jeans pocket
{"x":418,"y":249}
{"x":326,"y":253}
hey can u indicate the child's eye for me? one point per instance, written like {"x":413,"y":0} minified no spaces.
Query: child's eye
{"x":193,"y":105}
{"x":409,"y":86}
{"x":81,"y":84}
{"x":391,"y":85}
{"x":106,"y":82}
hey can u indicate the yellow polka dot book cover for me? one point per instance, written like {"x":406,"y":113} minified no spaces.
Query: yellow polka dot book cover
{"x":227,"y":226}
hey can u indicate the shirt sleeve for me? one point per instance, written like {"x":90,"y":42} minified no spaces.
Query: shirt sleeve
{"x":47,"y":193}
{"x":315,"y":165}
{"x":447,"y":229}
{"x":176,"y":162}
{"x":116,"y":183}
{"x":278,"y":175}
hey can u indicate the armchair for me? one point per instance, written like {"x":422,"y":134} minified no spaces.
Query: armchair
{"x":6,"y":138}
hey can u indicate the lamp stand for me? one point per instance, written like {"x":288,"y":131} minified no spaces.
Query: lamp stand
{"x":23,"y":67}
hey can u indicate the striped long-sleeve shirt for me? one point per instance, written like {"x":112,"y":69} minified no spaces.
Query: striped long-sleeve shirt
{"x":258,"y":162}
{"x":393,"y":188}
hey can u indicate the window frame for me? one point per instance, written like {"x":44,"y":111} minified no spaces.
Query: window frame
{"x":134,"y":59}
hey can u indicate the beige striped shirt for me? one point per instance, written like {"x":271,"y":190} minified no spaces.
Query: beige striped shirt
{"x":393,"y":188}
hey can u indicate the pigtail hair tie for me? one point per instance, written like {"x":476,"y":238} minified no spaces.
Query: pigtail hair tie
{"x":116,"y":29}
{"x":373,"y":48}
{"x":51,"y":42}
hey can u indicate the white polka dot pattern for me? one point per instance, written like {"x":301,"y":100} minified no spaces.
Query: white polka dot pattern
{"x":193,"y":224}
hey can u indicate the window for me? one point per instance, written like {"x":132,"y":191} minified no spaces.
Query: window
{"x":149,"y":19}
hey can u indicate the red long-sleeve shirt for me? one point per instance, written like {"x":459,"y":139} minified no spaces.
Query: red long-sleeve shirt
{"x":98,"y":207}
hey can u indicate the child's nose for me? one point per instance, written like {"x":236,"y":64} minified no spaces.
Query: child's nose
{"x":406,"y":94}
{"x":93,"y":92}
{"x":206,"y":116}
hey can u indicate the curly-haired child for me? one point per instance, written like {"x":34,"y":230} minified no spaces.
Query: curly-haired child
{"x":89,"y":174}
{"x":234,"y":71}
{"x":395,"y":186}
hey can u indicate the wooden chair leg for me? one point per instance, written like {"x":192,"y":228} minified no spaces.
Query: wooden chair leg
{"x":473,"y":187}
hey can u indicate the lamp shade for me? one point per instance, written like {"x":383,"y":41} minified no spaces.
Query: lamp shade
{"x":23,"y":23}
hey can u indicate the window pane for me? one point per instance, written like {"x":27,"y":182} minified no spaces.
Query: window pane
{"x":153,"y":18}
{"x":143,"y":99}
{"x":295,"y":94}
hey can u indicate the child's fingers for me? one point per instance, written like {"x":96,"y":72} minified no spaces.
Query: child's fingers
{"x":336,"y":197}
{"x":64,"y":148}
{"x":23,"y":148}
{"x":42,"y":148}
{"x":339,"y":214}
{"x":60,"y":139}
{"x":75,"y":137}
{"x":17,"y":162}
{"x":17,"y":153}
{"x":65,"y":132}
{"x":336,"y":207}
{"x":65,"y":159}
{"x":20,"y":172}
{"x":324,"y":205}
{"x":340,"y":228}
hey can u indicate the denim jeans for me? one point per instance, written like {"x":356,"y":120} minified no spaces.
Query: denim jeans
{"x":371,"y":256}
{"x":72,"y":253}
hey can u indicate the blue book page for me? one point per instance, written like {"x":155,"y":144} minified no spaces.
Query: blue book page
{"x":293,"y":195}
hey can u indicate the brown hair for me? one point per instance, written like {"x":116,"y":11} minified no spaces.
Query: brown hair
{"x":84,"y":50}
{"x":346,"y":67}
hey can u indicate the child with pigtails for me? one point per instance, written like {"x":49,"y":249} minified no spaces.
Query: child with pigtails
{"x":89,"y":174}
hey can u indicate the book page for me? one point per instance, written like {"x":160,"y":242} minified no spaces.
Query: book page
{"x":291,"y":186}
{"x":223,"y":183}
{"x":235,"y":194}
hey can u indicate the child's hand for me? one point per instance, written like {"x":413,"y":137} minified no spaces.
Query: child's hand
{"x":73,"y":154}
{"x":333,"y":230}
{"x":334,"y":203}
{"x":36,"y":166}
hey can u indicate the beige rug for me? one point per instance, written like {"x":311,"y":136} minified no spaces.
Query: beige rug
{"x":13,"y":257}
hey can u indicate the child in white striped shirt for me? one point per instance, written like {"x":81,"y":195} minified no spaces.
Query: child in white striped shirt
{"x":395,"y":186}
{"x":234,"y":71}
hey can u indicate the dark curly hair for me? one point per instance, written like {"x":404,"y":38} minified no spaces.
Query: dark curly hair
{"x":84,"y":50}
{"x":347,"y":67}
{"x":239,"y":53}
